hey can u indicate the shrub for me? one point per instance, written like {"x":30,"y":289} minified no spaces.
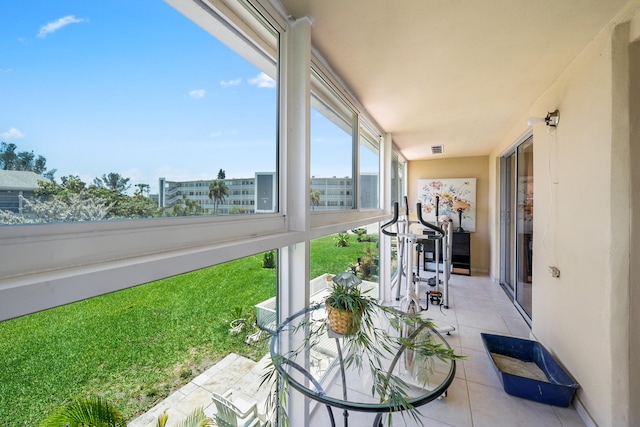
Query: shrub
{"x":269,"y":259}
{"x":342,"y":240}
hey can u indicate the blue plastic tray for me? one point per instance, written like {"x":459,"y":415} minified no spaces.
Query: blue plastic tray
{"x":559,"y":388}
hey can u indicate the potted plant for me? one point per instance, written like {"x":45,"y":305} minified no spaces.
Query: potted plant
{"x":371,"y":335}
{"x":346,"y":304}
{"x":366,"y":346}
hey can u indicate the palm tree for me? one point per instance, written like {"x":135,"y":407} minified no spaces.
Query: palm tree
{"x":315,"y":197}
{"x":218,"y":190}
{"x":98,"y":412}
{"x":114,"y":181}
{"x":87,"y":412}
{"x":143,"y":190}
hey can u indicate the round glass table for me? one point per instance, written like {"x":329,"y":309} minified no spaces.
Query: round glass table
{"x":394,"y":363}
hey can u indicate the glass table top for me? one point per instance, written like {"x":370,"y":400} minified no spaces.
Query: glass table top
{"x":390,"y":366}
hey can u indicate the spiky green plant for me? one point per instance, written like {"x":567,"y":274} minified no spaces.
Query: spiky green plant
{"x":196,"y":419}
{"x":269,"y":259}
{"x":347,"y":295}
{"x":86,"y":412}
{"x":342,"y":240}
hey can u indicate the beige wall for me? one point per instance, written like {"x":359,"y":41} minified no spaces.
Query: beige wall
{"x":466,"y":167}
{"x":582,"y":226}
{"x":586,"y":221}
{"x":634,"y":291}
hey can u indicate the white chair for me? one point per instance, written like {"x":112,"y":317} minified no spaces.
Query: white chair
{"x":230,"y":414}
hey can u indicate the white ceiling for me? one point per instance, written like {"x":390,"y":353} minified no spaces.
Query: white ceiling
{"x":456,"y":72}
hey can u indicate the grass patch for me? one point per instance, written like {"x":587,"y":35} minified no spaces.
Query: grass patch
{"x":134,"y":347}
{"x":326,"y":257}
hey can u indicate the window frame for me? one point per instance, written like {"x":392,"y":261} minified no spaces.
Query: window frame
{"x":341,"y":113}
{"x":328,"y":222}
{"x":369,"y":138}
{"x":42,"y":264}
{"x":47,"y":265}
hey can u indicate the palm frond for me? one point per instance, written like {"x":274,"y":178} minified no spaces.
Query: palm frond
{"x":196,"y":419}
{"x":87,"y":412}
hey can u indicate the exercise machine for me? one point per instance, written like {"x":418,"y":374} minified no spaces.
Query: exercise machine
{"x":406,"y":246}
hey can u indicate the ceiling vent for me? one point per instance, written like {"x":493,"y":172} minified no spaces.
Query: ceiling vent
{"x":437,"y":149}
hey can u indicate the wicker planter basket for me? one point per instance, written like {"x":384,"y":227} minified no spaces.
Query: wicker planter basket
{"x":341,"y":321}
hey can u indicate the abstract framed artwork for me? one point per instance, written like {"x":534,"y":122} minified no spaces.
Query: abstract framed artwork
{"x":460,"y":192}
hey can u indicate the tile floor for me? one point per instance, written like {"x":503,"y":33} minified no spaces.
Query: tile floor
{"x":475,"y":398}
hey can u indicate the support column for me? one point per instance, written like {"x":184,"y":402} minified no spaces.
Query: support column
{"x":293,"y":281}
{"x":385,"y":196}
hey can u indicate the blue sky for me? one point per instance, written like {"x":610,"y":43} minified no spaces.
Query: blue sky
{"x":136,"y":88}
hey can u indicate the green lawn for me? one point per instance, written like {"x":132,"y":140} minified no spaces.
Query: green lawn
{"x":327,"y":258}
{"x":136,"y":346}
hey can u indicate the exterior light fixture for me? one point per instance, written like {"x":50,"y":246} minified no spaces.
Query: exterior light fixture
{"x":552,"y":119}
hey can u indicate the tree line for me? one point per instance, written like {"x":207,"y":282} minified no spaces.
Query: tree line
{"x":13,"y":160}
{"x":105,"y":198}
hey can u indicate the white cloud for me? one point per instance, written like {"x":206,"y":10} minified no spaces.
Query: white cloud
{"x":6,"y":70}
{"x":234,"y":82}
{"x":198,"y":93}
{"x":215,"y":134}
{"x":56,"y":25}
{"x":262,"y":80}
{"x":12,"y":133}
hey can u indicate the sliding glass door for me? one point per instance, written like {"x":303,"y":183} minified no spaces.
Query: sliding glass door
{"x":524,"y":227}
{"x":516,"y":245}
{"x":507,"y":219}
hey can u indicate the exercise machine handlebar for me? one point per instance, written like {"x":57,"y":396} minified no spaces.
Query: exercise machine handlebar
{"x":396,"y":215}
{"x":439,"y":231}
{"x":432,"y":227}
{"x":390,"y":223}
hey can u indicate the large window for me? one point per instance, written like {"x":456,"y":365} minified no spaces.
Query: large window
{"x":135,"y":121}
{"x":397,"y":195}
{"x":205,"y":111}
{"x":134,"y":347}
{"x":397,"y":178}
{"x":332,"y":182}
{"x":369,"y":168}
{"x":355,"y":250}
{"x":139,"y":121}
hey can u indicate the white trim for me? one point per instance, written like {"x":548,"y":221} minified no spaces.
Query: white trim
{"x":329,"y":222}
{"x":511,"y":148}
{"x":328,"y":101}
{"x":582,"y":412}
{"x":384,"y":242}
{"x":231,"y":25}
{"x":293,"y":265}
{"x":33,"y":249}
{"x":34,"y":292}
{"x":320,"y":66}
{"x":43,"y":266}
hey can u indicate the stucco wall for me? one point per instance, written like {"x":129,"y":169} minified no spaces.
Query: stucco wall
{"x":634,"y":292}
{"x":581,"y":195}
{"x":465,"y":167}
